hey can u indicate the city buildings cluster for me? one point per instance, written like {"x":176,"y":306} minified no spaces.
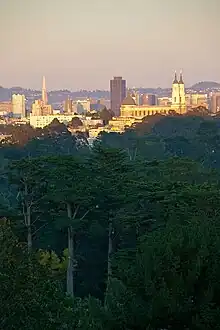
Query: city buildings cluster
{"x":128,"y":106}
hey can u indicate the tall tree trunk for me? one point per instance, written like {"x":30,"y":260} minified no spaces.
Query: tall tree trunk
{"x":110,"y":249}
{"x":109,"y":269}
{"x":29,"y":231}
{"x":70,"y":268}
{"x":27,"y":218}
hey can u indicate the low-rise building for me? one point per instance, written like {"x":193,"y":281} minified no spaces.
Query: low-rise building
{"x":5,"y":108}
{"x":196,"y":100}
{"x":119,"y":124}
{"x":42,"y":121}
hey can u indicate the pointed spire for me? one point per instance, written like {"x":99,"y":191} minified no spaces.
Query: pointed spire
{"x":44,"y":83}
{"x":175,"y":81}
{"x":181,"y":78}
{"x":44,"y":91}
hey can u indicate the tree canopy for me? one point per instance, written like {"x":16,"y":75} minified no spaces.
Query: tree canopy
{"x":120,"y":235}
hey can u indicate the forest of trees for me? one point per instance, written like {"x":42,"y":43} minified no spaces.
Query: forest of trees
{"x":124,"y":235}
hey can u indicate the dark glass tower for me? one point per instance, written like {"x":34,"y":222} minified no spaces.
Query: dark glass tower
{"x":118,"y":94}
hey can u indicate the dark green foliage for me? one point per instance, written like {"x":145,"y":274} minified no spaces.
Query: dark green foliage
{"x":134,"y":220}
{"x":30,"y":297}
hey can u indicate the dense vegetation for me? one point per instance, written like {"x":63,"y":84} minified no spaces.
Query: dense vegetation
{"x":123,"y":235}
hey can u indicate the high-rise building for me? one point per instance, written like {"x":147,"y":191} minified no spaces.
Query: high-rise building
{"x":44,"y":92}
{"x":39,"y":109}
{"x":215,"y":102}
{"x":18,"y":105}
{"x":118,"y":94}
{"x":68,"y":105}
{"x":152,"y":99}
{"x":148,"y":99}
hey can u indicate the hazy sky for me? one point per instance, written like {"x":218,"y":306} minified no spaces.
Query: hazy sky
{"x":82,"y":44}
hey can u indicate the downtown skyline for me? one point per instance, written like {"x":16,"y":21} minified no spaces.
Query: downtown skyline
{"x":84,"y":44}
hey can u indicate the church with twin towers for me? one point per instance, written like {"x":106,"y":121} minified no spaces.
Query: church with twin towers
{"x":129,"y":107}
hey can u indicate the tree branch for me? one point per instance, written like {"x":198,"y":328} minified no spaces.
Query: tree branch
{"x":75,"y":212}
{"x":84,"y":215}
{"x":43,"y":226}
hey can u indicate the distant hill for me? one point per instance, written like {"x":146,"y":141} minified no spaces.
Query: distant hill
{"x":203,"y":85}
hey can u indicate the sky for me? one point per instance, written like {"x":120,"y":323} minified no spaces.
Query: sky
{"x":82,"y":44}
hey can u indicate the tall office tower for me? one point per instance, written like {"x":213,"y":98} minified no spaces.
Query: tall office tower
{"x":144,"y":99}
{"x":37,"y":108}
{"x":44,"y":92}
{"x":152,"y":99}
{"x":18,"y":105}
{"x":118,"y":94}
{"x":68,"y":105}
{"x":149,"y":99}
{"x":215,"y":102}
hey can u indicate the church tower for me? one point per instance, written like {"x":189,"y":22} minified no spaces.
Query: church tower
{"x":182,"y":94}
{"x":178,"y":94}
{"x":175,"y":92}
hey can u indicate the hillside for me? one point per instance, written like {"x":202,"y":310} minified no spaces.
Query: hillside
{"x":203,"y":85}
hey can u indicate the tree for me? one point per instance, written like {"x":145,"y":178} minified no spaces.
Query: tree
{"x":198,"y":111}
{"x":75,"y":122}
{"x":29,"y":178}
{"x":105,"y":115}
{"x":111,"y":169}
{"x":70,"y":189}
{"x":30,"y":297}
{"x":174,"y":269}
{"x":55,"y":127}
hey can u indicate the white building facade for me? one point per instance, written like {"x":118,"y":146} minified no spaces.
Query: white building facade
{"x":18,"y":105}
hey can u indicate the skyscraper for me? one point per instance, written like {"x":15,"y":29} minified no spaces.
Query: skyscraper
{"x":148,"y":99}
{"x":215,"y":102}
{"x":18,"y":105}
{"x":68,"y":105}
{"x":44,"y":92}
{"x":118,"y":94}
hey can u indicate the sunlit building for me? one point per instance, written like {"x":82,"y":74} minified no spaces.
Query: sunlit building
{"x":42,"y":121}
{"x":215,"y":102}
{"x":5,"y":107}
{"x":81,"y":106}
{"x":178,"y":103}
{"x":197,"y":100}
{"x":68,"y":105}
{"x":18,"y":105}
{"x":148,"y":99}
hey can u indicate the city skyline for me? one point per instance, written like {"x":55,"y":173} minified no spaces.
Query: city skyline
{"x":82,"y":45}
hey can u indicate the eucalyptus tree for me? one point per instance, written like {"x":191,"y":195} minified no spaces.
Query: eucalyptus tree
{"x":28,"y":177}
{"x":72,"y":189}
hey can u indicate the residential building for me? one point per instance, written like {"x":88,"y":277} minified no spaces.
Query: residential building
{"x":196,"y":100}
{"x":5,"y":108}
